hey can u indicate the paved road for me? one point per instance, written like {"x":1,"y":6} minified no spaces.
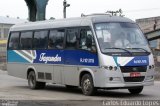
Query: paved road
{"x":12,"y":88}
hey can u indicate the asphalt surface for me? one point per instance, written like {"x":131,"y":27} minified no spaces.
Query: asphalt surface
{"x":15,"y":89}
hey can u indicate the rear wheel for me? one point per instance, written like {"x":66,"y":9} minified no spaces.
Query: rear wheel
{"x":135,"y":90}
{"x":33,"y":84}
{"x":87,"y":85}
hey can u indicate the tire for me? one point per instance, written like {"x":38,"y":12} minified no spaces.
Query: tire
{"x":87,"y":85}
{"x":136,"y":90}
{"x":33,"y":84}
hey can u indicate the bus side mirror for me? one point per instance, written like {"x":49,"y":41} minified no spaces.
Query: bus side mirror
{"x":93,"y":49}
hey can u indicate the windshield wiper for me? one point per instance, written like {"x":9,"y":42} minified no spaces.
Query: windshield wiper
{"x":141,"y":49}
{"x":121,"y":49}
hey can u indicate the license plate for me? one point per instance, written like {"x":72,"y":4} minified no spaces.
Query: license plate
{"x":135,"y":74}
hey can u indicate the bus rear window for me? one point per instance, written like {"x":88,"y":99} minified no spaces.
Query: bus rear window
{"x":14,"y":41}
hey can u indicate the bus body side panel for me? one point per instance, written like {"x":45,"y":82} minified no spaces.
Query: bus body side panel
{"x":58,"y":69}
{"x":16,"y":65}
{"x":20,"y":70}
{"x":19,"y":61}
{"x":56,"y":66}
{"x":17,"y":69}
{"x":44,"y":72}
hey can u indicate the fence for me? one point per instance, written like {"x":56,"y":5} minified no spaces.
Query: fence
{"x":2,"y":56}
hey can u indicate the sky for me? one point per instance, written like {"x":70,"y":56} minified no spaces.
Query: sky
{"x":133,"y":9}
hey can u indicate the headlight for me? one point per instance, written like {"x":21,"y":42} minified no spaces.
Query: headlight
{"x":151,"y":67}
{"x":111,"y":68}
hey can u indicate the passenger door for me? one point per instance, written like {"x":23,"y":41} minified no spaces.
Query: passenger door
{"x":70,"y":73}
{"x":55,"y":48}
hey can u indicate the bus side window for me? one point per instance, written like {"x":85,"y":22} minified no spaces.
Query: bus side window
{"x":14,"y":41}
{"x":26,"y":40}
{"x":87,"y":40}
{"x":40,"y":39}
{"x":56,"y":39}
{"x":71,"y":39}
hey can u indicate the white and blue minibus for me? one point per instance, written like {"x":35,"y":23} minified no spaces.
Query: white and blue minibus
{"x":92,"y":52}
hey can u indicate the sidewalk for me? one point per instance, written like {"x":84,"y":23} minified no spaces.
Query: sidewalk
{"x":157,"y":73}
{"x":3,"y":66}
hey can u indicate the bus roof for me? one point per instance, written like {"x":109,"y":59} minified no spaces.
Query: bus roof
{"x":70,"y":22}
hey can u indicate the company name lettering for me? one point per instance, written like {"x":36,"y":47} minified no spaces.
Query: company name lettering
{"x":140,"y":61}
{"x":49,"y":58}
{"x":85,"y":60}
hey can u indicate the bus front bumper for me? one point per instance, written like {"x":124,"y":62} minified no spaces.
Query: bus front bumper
{"x":128,"y":84}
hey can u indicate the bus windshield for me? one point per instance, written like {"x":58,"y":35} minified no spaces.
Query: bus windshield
{"x":120,"y":37}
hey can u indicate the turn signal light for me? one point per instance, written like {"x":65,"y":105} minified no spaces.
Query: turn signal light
{"x":151,"y":66}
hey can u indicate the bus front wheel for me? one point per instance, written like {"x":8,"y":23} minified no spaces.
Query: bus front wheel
{"x":87,"y":85}
{"x":135,"y":90}
{"x":33,"y":84}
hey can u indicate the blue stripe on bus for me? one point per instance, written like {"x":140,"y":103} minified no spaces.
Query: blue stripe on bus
{"x":139,"y":61}
{"x":131,"y":61}
{"x":68,"y":57}
{"x":14,"y":57}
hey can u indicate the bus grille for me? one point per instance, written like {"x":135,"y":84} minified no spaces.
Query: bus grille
{"x":134,"y":79}
{"x":128,"y":69}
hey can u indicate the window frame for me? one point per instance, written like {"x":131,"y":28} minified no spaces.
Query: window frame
{"x":77,"y":40}
{"x":32,"y":39}
{"x":63,"y":38}
{"x":46,"y":48}
{"x":19,"y":33}
{"x":94,"y":38}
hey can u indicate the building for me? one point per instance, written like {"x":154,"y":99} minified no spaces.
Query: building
{"x":149,"y":24}
{"x":151,"y":28}
{"x":5,"y":24}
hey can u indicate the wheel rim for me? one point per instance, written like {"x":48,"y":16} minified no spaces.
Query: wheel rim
{"x":86,"y":85}
{"x":31,"y":81}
